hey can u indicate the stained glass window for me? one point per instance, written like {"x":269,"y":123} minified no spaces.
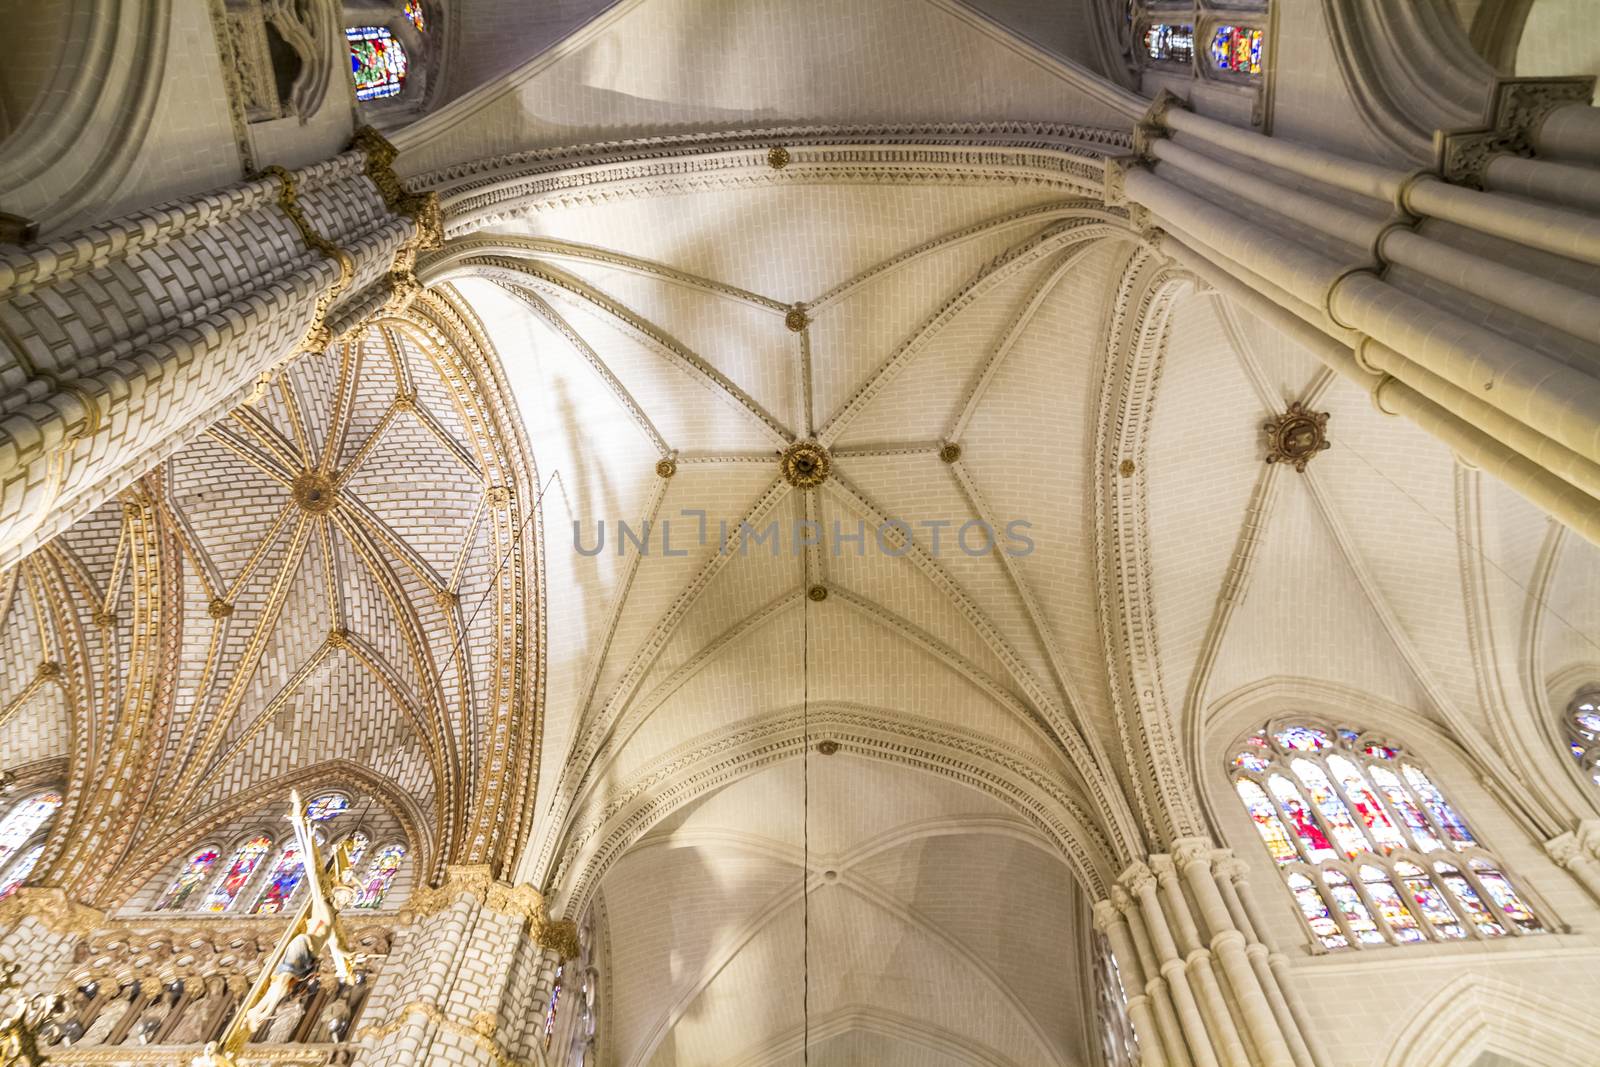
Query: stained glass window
{"x":413,"y":11}
{"x":1369,"y":847}
{"x":377,"y":62}
{"x":358,"y":846}
{"x":1168,"y":42}
{"x":20,"y":870}
{"x":380,"y":874}
{"x":245,"y":862}
{"x":25,"y":820}
{"x":1583,"y":733}
{"x":284,"y":878}
{"x":327,"y":807}
{"x":194,"y":872}
{"x":1117,"y":1041}
{"x":1237,"y":49}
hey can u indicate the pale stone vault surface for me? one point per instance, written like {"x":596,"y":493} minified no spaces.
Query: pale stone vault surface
{"x":772,"y":505}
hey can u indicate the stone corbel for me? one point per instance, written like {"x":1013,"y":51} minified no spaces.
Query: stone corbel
{"x":1515,"y":112}
{"x":1578,"y":852}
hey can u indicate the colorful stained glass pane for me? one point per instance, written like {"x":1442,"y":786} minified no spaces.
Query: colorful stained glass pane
{"x":327,"y":807}
{"x":1577,"y":749}
{"x":1347,"y":735}
{"x":25,"y":820}
{"x":1421,"y":832}
{"x":1370,"y":811}
{"x":1302,"y":738}
{"x":1311,"y":835}
{"x":244,"y":864}
{"x":1498,"y":886}
{"x":1380,"y":752}
{"x":1442,"y":811}
{"x":358,"y":846}
{"x":1419,"y":887}
{"x":194,"y":872}
{"x":284,"y":878}
{"x":1169,"y":42}
{"x":1249,"y":761}
{"x":1334,"y":813}
{"x":1386,"y":898}
{"x":1315,"y":909}
{"x":377,"y":62}
{"x":1468,"y":897}
{"x":20,"y":870}
{"x":380,"y":874}
{"x":1353,"y":908}
{"x":413,"y":11}
{"x":1268,"y":825}
{"x":1588,"y":718}
{"x":1237,"y":49}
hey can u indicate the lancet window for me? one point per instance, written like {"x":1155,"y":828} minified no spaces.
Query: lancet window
{"x":414,"y":13}
{"x":1223,"y":41}
{"x":22,"y":837}
{"x":240,"y":870}
{"x":584,"y":977}
{"x":193,"y":875}
{"x":1368,"y":845}
{"x":379,"y":876}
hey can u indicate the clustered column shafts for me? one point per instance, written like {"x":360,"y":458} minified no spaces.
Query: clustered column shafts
{"x":1186,"y":1013}
{"x":1476,"y":314}
{"x":119,"y":343}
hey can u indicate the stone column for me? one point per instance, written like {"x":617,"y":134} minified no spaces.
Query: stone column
{"x":120,"y":342}
{"x":1445,"y":342}
{"x":1253,"y":1020}
{"x":457,"y":986}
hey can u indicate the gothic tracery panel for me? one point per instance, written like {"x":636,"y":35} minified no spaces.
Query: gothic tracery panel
{"x":1368,"y":845}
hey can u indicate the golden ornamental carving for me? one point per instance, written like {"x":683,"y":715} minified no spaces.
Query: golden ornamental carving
{"x":49,"y":670}
{"x":817,"y":593}
{"x":796,"y":319}
{"x":777,"y":157}
{"x":499,"y":497}
{"x":949,"y":452}
{"x":422,"y":208}
{"x":1127,"y":468}
{"x":559,"y":936}
{"x":18,"y":1046}
{"x":666,"y":468}
{"x":1296,"y":436}
{"x":485,"y":1023}
{"x":805,"y":465}
{"x":51,"y":908}
{"x":314,"y":491}
{"x":827,"y":748}
{"x":477,"y":882}
{"x":219,"y":608}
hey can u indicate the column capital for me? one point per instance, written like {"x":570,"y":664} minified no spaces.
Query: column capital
{"x":1515,"y":111}
{"x":1136,"y":877}
{"x":1106,"y":914}
{"x":1189,"y":851}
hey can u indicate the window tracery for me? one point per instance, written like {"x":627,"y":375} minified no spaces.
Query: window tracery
{"x":378,"y":62}
{"x":414,"y":13}
{"x":1583,"y":733}
{"x":1368,"y":845}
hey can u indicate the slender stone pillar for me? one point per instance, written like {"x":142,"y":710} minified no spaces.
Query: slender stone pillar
{"x":1579,"y":852}
{"x":1228,"y":942}
{"x":1196,"y":900}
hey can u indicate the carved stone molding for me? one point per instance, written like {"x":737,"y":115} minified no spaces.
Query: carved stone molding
{"x":806,"y":464}
{"x":1516,"y":111}
{"x":1296,"y":436}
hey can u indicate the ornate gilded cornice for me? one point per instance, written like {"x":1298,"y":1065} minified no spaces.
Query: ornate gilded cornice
{"x":317,"y":336}
{"x":53,"y":909}
{"x":477,"y":882}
